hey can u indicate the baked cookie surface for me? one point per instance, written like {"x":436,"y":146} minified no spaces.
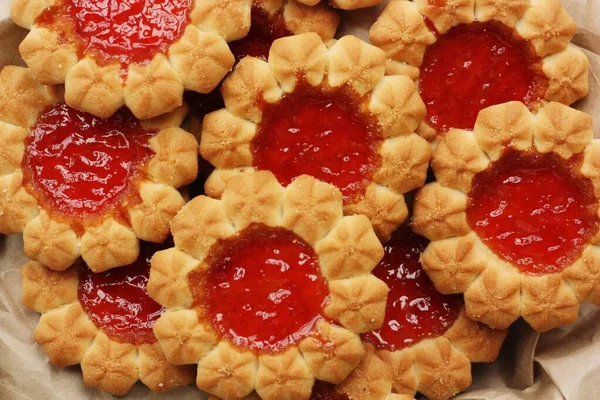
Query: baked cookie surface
{"x":82,"y":186}
{"x":513,"y":216}
{"x":141,"y":54}
{"x":371,"y":380}
{"x":103,"y":322}
{"x":467,"y":55}
{"x":272,"y":285}
{"x":326,"y":112}
{"x":426,"y":338}
{"x":270,"y":20}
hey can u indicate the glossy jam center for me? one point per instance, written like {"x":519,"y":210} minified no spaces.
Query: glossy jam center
{"x":533,"y":211}
{"x":82,"y":164}
{"x":415,"y":309}
{"x":325,"y":135}
{"x":117,"y":301}
{"x":475,"y":66}
{"x":129,"y":31}
{"x":264,"y":289}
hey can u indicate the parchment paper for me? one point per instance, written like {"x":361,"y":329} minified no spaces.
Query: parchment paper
{"x":561,"y":364}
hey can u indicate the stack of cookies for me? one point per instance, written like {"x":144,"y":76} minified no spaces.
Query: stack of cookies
{"x":225,"y":192}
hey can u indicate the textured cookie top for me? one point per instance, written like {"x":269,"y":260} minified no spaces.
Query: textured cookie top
{"x":514,"y":215}
{"x":426,"y":334}
{"x":278,"y":249}
{"x":81,"y":186}
{"x":471,"y":54}
{"x":270,"y":20}
{"x":142,"y":53}
{"x":103,"y":322}
{"x":325,"y":111}
{"x":371,"y":380}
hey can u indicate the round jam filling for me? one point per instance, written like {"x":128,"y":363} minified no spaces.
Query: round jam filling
{"x":475,"y":66}
{"x":82,"y":164}
{"x":117,"y":302}
{"x":323,"y":134}
{"x":264,"y":289}
{"x":533,"y":211}
{"x":129,"y":31}
{"x":415,"y":309}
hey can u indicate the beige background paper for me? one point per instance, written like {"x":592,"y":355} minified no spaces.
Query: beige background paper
{"x":561,"y":364}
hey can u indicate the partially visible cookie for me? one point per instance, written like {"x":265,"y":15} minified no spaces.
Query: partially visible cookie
{"x":471,"y":54}
{"x":141,"y":54}
{"x":81,"y":186}
{"x":426,"y":339}
{"x":353,"y":127}
{"x":513,"y":216}
{"x":103,"y":322}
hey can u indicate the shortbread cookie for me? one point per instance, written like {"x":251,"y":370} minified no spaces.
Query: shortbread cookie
{"x":426,"y":338}
{"x":471,"y":54}
{"x":139,"y":53}
{"x":271,"y":285}
{"x":103,"y":322}
{"x":513,"y":216}
{"x":81,"y":186}
{"x":326,"y":112}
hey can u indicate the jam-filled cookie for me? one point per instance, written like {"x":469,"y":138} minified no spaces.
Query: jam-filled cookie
{"x":102,"y":322}
{"x":271,"y":285}
{"x":78,"y":185}
{"x":139,"y":53}
{"x":471,"y":54}
{"x":513,"y":216}
{"x":326,"y":112}
{"x":426,"y":338}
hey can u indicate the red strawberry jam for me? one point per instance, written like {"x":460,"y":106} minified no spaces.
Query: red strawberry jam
{"x":131,"y":31}
{"x":533,"y":210}
{"x":264,"y":289}
{"x":415,"y":309}
{"x":264,"y":30}
{"x":323,"y":134}
{"x":117,"y":302}
{"x":80,"y":164}
{"x":475,"y":66}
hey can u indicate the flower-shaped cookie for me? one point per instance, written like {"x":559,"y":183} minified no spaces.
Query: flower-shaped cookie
{"x":471,"y":54}
{"x":426,"y":339}
{"x":77,"y":185}
{"x":513,"y":216}
{"x":109,"y":335}
{"x":142,"y":53}
{"x":325,"y":112}
{"x":268,"y":288}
